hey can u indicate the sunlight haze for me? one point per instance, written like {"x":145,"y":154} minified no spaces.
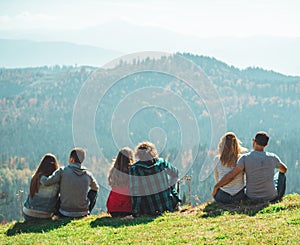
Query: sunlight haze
{"x":190,"y":26}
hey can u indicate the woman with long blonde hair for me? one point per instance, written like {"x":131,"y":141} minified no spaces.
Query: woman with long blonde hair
{"x":229,"y":151}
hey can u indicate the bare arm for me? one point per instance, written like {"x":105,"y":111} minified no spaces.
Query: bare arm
{"x":282,"y":168}
{"x":94,"y":185}
{"x":227,"y":179}
{"x":216,"y":174}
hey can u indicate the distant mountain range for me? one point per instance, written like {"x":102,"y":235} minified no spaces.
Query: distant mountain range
{"x":25,"y":53}
{"x":280,"y":54}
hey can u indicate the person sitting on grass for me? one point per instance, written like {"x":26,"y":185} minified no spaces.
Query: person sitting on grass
{"x":42,"y":200}
{"x":152,"y":182}
{"x":78,"y":187}
{"x":259,"y":166}
{"x":119,"y":201}
{"x":229,"y":151}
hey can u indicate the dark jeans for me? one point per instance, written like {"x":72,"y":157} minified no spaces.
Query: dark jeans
{"x":280,"y":184}
{"x":30,"y":218}
{"x":92,"y":196}
{"x":119,"y":214}
{"x":226,"y":198}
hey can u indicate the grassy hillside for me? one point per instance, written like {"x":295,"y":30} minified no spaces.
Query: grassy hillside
{"x":209,"y":223}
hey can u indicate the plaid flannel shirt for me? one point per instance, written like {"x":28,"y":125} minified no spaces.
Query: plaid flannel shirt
{"x":152,"y":187}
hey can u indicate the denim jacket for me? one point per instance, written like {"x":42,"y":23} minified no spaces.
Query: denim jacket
{"x":44,"y":200}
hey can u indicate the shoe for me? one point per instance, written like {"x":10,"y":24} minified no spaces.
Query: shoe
{"x":55,"y":217}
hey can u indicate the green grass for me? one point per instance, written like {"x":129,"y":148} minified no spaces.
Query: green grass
{"x":210,"y":223}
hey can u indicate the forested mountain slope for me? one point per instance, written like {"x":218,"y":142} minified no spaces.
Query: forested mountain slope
{"x":37,"y":106}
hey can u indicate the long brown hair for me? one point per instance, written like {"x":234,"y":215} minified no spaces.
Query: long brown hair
{"x":230,"y":149}
{"x":118,"y":175}
{"x":46,"y":167}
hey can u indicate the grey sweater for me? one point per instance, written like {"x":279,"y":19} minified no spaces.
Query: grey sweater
{"x":75,"y":182}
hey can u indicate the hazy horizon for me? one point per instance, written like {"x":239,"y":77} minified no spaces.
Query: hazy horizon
{"x":241,"y":33}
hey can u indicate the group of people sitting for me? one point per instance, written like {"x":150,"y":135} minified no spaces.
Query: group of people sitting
{"x":250,"y":175}
{"x":147,"y":186}
{"x":68,"y":192}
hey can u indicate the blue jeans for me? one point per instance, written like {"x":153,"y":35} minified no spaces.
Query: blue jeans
{"x":280,"y":184}
{"x":226,"y":198}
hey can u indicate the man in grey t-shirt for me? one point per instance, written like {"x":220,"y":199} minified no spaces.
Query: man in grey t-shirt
{"x":259,"y":168}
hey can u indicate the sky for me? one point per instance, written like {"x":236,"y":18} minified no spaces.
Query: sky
{"x":201,"y":19}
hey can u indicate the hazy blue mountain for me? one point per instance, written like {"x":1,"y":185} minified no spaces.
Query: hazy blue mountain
{"x":25,"y":53}
{"x":273,"y":53}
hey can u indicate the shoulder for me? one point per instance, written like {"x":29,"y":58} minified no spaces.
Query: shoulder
{"x":274,"y":157}
{"x":61,"y":170}
{"x":134,"y":166}
{"x":270,"y":154}
{"x":89,"y":173}
{"x":246,"y":155}
{"x":57,"y":172}
{"x":161,"y":161}
{"x":242,"y":159}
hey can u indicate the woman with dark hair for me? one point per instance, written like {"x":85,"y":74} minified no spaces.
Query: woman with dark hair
{"x":230,"y":150}
{"x":42,"y":200}
{"x":119,"y":201}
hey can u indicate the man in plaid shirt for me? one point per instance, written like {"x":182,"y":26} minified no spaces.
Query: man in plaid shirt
{"x":152,"y":182}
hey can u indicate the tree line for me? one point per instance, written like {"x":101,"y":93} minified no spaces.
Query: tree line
{"x":36,"y":106}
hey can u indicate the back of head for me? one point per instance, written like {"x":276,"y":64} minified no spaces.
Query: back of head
{"x":46,"y":167}
{"x":78,"y":154}
{"x":261,"y":138}
{"x":146,"y":151}
{"x":118,"y":175}
{"x":124,"y":160}
{"x":229,"y":149}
